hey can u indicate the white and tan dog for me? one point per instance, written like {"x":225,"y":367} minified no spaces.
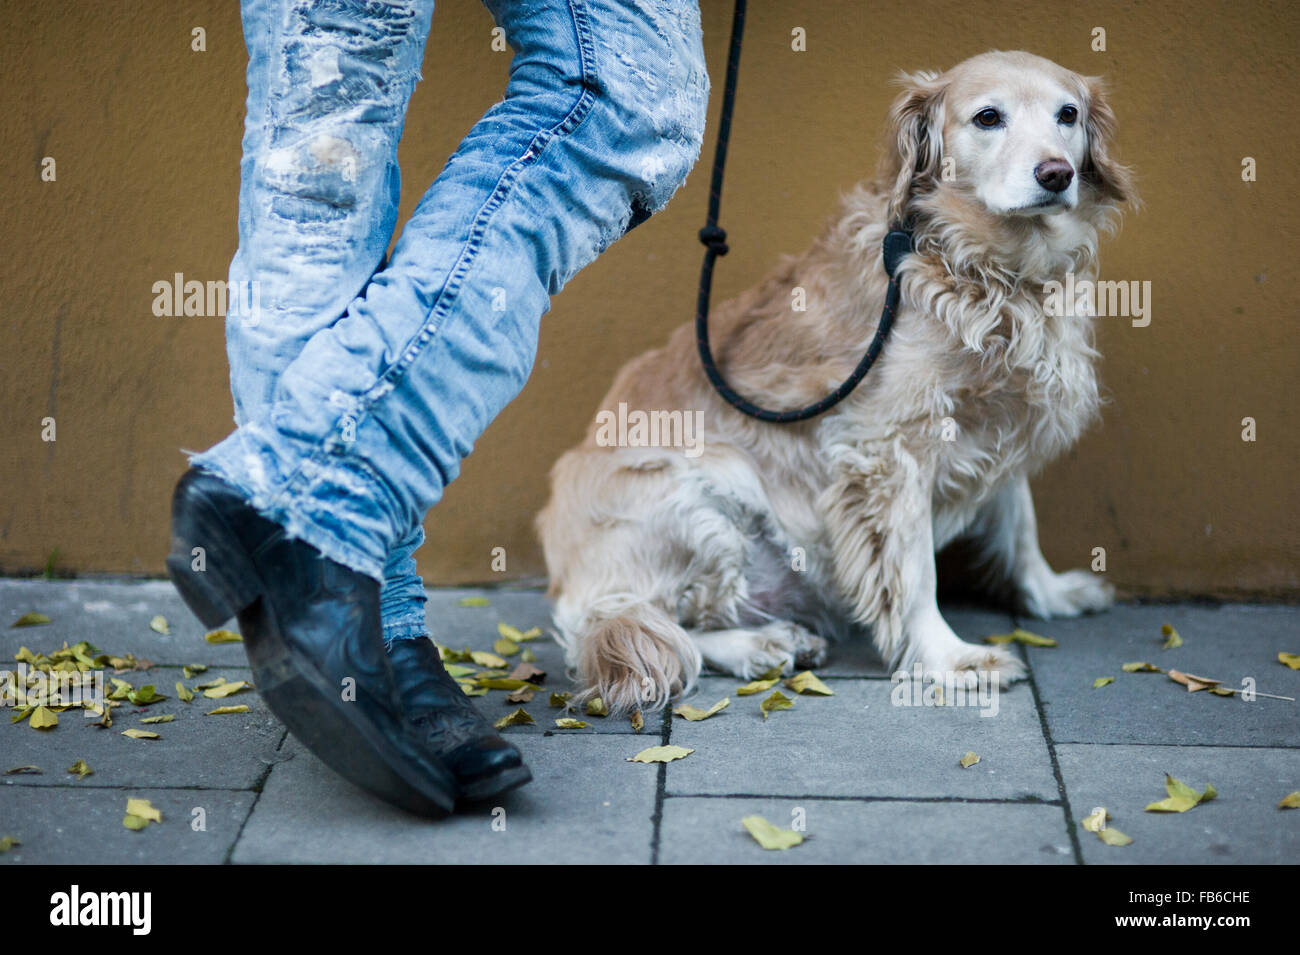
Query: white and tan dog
{"x":745,"y":550}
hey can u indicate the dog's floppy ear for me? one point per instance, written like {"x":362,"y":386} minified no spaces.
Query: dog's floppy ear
{"x":1112,"y":179}
{"x":913,"y":141}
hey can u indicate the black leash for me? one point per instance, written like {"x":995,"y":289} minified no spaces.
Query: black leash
{"x":896,"y":245}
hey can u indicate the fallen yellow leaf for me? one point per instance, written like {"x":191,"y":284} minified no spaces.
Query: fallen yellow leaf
{"x":769,"y":836}
{"x":1172,"y":640}
{"x":561,"y":699}
{"x":807,"y":682}
{"x":660,"y":754}
{"x":485,"y":659}
{"x":969,"y":760}
{"x":223,"y":636}
{"x":224,"y":710}
{"x":695,"y":714}
{"x":1101,"y":681}
{"x":43,"y":718}
{"x":1141,"y":668}
{"x":140,"y":734}
{"x":565,"y":723}
{"x":1290,"y":801}
{"x":81,"y":768}
{"x":7,"y":843}
{"x":32,"y":619}
{"x":222,"y":690}
{"x":757,"y":686}
{"x":777,"y":701}
{"x":473,"y":602}
{"x":519,"y":717}
{"x":1021,"y":636}
{"x":1289,"y":659}
{"x":1096,"y":822}
{"x":596,"y":707}
{"x":159,"y":625}
{"x":636,"y":719}
{"x":166,"y":718}
{"x":1182,"y":797}
{"x":507,"y":648}
{"x":144,"y":809}
{"x":185,"y":695}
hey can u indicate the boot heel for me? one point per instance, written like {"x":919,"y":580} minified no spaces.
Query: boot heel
{"x":220,"y":589}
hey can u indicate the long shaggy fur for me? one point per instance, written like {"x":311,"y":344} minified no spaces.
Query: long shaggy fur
{"x":776,"y":537}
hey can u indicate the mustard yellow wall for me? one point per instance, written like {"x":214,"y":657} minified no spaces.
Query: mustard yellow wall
{"x":146,"y":132}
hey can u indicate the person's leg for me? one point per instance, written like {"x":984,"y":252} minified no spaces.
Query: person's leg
{"x":602,"y":119}
{"x":328,"y":89}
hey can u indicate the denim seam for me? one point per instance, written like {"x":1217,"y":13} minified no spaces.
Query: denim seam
{"x":449,"y":294}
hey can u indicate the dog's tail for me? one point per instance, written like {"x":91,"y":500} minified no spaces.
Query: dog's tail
{"x":634,"y":656}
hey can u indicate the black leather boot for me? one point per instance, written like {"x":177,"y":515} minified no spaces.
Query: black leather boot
{"x":312,"y":633}
{"x":484,"y":764}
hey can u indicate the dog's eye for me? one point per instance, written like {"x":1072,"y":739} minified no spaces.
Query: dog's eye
{"x":1068,"y":115}
{"x":988,"y":118}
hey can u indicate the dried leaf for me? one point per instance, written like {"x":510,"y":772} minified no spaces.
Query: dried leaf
{"x":695,"y":714}
{"x":808,"y":683}
{"x":1290,"y":801}
{"x":1182,"y":797}
{"x":134,"y":823}
{"x":1101,"y":681}
{"x":769,"y":836}
{"x":526,"y":671}
{"x":165,"y":718}
{"x":145,"y":695}
{"x":1192,"y":682}
{"x":81,"y":768}
{"x":528,"y":655}
{"x":1290,"y":659}
{"x":7,"y":843}
{"x":223,"y":690}
{"x":757,"y":686}
{"x":473,"y":602}
{"x":471,"y":690}
{"x":507,"y":648}
{"x":1172,"y":640}
{"x":522,"y":695}
{"x":140,"y":734}
{"x":184,"y":693}
{"x":32,"y":619}
{"x":519,"y":717}
{"x":159,"y":625}
{"x":223,"y":710}
{"x":636,"y":719}
{"x":566,"y":723}
{"x":223,"y":636}
{"x":485,"y":659}
{"x":43,"y":718}
{"x":144,"y":809}
{"x":1097,"y":823}
{"x":24,"y":771}
{"x":596,"y":707}
{"x":559,"y":700}
{"x":514,"y":635}
{"x":660,"y":754}
{"x":1141,"y":667}
{"x":193,"y":670}
{"x":456,"y":670}
{"x":777,"y":701}
{"x":1021,"y":636}
{"x":503,"y":683}
{"x":969,"y":760}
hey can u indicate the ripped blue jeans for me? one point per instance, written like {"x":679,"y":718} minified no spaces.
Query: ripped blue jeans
{"x":360,"y":384}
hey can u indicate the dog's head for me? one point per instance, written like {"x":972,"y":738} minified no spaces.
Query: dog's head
{"x":1013,"y":132}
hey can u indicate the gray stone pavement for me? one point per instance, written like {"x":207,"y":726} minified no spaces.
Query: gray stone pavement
{"x":868,"y":781}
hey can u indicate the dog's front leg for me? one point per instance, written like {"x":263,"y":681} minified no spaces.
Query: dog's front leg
{"x":1007,"y":534}
{"x":879,"y":521}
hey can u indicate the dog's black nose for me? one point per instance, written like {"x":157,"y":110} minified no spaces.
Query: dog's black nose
{"x":1054,"y":175}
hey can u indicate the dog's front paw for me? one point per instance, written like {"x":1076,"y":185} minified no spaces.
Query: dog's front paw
{"x":1066,"y":595}
{"x":966,"y":661}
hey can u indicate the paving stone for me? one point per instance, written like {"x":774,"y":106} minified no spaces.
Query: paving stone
{"x":1227,"y":643}
{"x":223,"y":752}
{"x":114,"y":615}
{"x":584,"y":805}
{"x":708,"y":831}
{"x":76,"y":826}
{"x":1242,"y":825}
{"x":857,"y":743}
{"x":856,"y":657}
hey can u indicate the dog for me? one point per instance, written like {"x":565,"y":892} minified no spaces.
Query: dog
{"x":748,"y":548}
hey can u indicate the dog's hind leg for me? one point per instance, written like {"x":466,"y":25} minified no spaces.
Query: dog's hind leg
{"x":748,"y":652}
{"x":1006,"y":533}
